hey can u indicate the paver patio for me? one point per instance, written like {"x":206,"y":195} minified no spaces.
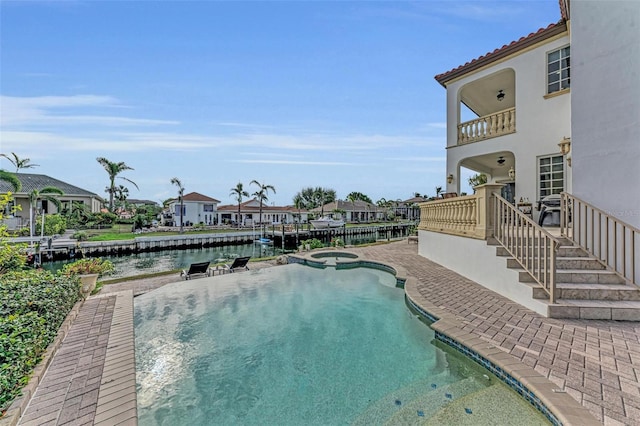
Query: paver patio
{"x":596,"y":362}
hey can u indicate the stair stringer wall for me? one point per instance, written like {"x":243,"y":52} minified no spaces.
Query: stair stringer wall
{"x":475,"y":260}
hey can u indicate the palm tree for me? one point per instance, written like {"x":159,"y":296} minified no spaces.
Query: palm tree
{"x":114,"y":169}
{"x":19,"y":163}
{"x":175,"y":181}
{"x":11,"y":179}
{"x":261,"y":193}
{"x":121,"y":194}
{"x":47,"y":193}
{"x":324,"y":196}
{"x":239,"y":192}
{"x":438,"y":191}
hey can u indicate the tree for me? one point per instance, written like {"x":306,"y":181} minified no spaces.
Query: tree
{"x":238,"y":192}
{"x":47,"y":193}
{"x":323,"y":196}
{"x":11,"y":179}
{"x":19,"y":163}
{"x":175,"y":181}
{"x":477,"y":179}
{"x":113,"y":170}
{"x":359,"y":196}
{"x":262,"y":193}
{"x":438,"y":191}
{"x":298,"y":203}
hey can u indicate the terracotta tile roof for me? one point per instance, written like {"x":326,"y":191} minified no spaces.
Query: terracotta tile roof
{"x":195,"y":196}
{"x":502,"y":52}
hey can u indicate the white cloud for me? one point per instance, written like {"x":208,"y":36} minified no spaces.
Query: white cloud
{"x":291,"y":162}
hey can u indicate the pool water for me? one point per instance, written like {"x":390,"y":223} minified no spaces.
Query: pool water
{"x":296,"y":345}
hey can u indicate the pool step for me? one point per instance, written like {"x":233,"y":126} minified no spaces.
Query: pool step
{"x":398,"y":406}
{"x":493,"y":405}
{"x":426,"y":405}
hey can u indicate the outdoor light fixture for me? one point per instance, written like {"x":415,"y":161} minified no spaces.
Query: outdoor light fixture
{"x":450,"y":178}
{"x":501,"y":160}
{"x":500,"y":96}
{"x":565,"y":145}
{"x":512,"y":173}
{"x":565,"y":149}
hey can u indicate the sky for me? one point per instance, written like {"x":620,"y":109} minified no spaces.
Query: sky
{"x":337,"y":94}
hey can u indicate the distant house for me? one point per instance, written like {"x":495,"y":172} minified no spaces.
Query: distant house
{"x":409,"y":209}
{"x":357,"y":211}
{"x":250,"y":214}
{"x":196,"y":209}
{"x":138,"y":203}
{"x":31,"y":182}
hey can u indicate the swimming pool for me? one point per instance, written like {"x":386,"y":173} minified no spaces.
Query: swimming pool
{"x":297,"y":345}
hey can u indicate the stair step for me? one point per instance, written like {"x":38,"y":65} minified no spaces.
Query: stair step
{"x":563,"y":251}
{"x":590,"y":309}
{"x":606,"y":292}
{"x":480,"y":408}
{"x":565,"y":263}
{"x":582,"y":276}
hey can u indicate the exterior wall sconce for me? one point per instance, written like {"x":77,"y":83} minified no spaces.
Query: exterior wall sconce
{"x":565,"y":149}
{"x":500,"y":95}
{"x":450,"y":178}
{"x":565,"y":145}
{"x":512,"y":173}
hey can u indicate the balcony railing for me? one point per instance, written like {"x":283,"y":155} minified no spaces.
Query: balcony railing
{"x":490,"y":126}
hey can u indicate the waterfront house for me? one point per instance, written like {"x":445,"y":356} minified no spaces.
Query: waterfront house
{"x":31,"y":182}
{"x":354,"y":212}
{"x":542,"y":116}
{"x":196,"y":209}
{"x":250,"y":214}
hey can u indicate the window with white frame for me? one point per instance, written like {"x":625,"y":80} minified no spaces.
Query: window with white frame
{"x":550,"y":175}
{"x":559,"y":69}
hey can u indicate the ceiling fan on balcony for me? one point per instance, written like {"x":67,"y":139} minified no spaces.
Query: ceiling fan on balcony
{"x":501,"y":160}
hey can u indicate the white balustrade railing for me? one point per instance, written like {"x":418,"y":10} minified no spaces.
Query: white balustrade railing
{"x":490,"y":126}
{"x":527,"y":242}
{"x":613,"y":242}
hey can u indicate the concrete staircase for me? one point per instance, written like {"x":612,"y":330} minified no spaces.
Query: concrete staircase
{"x":585,"y":289}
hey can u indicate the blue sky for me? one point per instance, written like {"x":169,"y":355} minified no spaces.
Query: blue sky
{"x":293,"y":94}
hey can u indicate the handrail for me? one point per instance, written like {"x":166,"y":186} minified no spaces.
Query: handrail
{"x":528,"y":243}
{"x":613,"y":242}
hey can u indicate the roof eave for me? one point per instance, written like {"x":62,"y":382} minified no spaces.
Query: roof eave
{"x":501,"y":53}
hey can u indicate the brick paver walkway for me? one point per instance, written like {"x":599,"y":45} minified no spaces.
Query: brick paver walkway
{"x":596,"y":362}
{"x":68,"y":393}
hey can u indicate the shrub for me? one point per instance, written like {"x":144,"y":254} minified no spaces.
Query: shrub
{"x":33,"y":305}
{"x":80,"y":236}
{"x":314,"y":243}
{"x":89,"y":265}
{"x":53,"y":224}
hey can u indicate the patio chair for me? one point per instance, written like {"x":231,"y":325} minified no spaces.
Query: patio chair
{"x":196,"y":268}
{"x":238,"y":263}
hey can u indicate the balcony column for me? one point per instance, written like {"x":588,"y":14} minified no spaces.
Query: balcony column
{"x":484,"y":222}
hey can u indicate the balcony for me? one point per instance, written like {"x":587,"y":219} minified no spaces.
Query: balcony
{"x":489,"y":126}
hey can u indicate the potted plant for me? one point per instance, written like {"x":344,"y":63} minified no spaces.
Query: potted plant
{"x":88,"y":270}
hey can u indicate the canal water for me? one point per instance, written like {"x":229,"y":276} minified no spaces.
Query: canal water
{"x":167,"y":260}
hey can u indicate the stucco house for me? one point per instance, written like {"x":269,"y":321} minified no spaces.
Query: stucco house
{"x":196,"y":209}
{"x":250,"y":214}
{"x":542,"y":116}
{"x":31,"y":182}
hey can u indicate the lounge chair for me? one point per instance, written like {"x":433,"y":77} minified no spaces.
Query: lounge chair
{"x":238,"y":263}
{"x":196,"y":268}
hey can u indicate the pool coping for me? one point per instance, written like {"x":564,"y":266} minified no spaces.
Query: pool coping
{"x":545,"y":396}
